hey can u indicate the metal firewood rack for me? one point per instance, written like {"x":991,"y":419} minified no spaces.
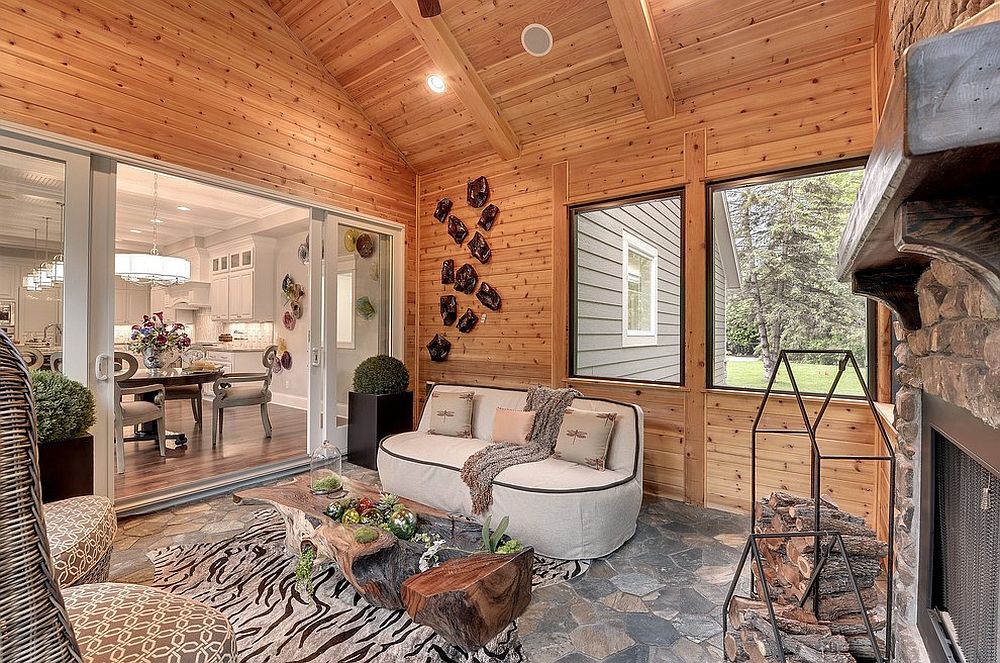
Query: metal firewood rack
{"x":821,"y":553}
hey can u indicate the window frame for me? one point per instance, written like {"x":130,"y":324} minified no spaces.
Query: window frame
{"x":871,"y":330}
{"x":637,"y":338}
{"x":609,"y":203}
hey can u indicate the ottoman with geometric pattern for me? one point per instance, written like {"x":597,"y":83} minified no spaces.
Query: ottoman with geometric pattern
{"x":81,"y":531}
{"x":119,"y":623}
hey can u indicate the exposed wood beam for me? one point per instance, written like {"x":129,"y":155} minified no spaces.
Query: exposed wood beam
{"x":459,"y":74}
{"x":634,"y":22}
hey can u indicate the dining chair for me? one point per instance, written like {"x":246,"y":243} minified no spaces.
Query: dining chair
{"x":33,"y":358}
{"x":147,"y":409}
{"x":92,"y":623}
{"x":56,"y":361}
{"x":241,"y":390}
{"x":187,"y":392}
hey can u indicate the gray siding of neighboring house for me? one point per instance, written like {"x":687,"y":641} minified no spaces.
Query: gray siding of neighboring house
{"x":719,"y":319}
{"x":599,"y":351}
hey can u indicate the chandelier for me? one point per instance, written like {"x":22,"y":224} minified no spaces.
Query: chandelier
{"x":152,"y":268}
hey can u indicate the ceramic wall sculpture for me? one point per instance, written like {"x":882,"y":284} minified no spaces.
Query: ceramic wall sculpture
{"x":457,"y":229}
{"x":443,"y":209}
{"x":488,"y":217}
{"x":468,"y":321}
{"x":477,"y":192}
{"x":364,"y":308}
{"x":365,"y":245}
{"x":489,"y":297}
{"x":466,"y":279}
{"x":449,"y":310}
{"x":448,"y":272}
{"x":438,"y":348}
{"x":480,"y":248}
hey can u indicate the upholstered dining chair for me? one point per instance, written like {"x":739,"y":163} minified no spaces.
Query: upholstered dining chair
{"x":56,"y":361}
{"x":95,"y":623}
{"x":33,"y":358}
{"x":136,"y":412}
{"x":241,"y":390}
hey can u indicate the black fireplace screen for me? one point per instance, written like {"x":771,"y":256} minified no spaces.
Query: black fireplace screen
{"x":967,"y":552}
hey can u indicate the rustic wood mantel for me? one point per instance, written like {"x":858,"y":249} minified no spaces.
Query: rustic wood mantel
{"x":932,"y":185}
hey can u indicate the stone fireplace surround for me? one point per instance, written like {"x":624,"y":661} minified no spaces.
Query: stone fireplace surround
{"x":955,"y":357}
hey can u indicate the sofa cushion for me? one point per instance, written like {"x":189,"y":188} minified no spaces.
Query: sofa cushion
{"x":512,"y":426}
{"x":81,"y":531}
{"x":583,"y":437}
{"x":450,"y":413}
{"x":549,"y":475}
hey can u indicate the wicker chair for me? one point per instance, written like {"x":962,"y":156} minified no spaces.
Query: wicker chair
{"x":241,"y":390}
{"x":99,"y":623}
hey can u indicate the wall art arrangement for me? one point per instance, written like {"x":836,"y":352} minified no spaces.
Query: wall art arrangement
{"x":293,"y":292}
{"x":465,"y":279}
{"x":362,"y":243}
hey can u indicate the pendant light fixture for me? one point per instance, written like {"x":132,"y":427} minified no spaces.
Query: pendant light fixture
{"x":152,"y":268}
{"x":58,"y":265}
{"x":30,"y":281}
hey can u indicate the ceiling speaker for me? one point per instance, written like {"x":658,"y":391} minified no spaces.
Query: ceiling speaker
{"x":536,"y":39}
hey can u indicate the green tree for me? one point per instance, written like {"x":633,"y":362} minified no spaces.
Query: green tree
{"x":786,"y":236}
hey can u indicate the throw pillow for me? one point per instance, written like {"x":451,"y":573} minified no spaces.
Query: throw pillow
{"x":513,"y":426}
{"x":451,"y":413}
{"x":584,"y":437}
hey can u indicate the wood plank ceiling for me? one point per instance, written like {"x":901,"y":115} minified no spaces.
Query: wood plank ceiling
{"x":585,"y":80}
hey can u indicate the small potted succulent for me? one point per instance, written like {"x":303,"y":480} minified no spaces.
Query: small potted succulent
{"x":380,"y":405}
{"x":65,"y":412}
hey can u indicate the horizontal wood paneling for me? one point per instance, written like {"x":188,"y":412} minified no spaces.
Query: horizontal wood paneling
{"x":222,"y":88}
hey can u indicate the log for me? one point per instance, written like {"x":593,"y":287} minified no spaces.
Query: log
{"x":733,"y":648}
{"x":857,"y":546}
{"x":816,"y":647}
{"x":470,"y":600}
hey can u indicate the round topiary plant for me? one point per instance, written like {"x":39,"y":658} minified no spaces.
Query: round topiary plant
{"x":381,"y":374}
{"x":64,"y":408}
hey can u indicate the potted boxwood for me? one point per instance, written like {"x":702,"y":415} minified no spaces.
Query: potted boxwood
{"x":379,"y":406}
{"x":65,"y":411}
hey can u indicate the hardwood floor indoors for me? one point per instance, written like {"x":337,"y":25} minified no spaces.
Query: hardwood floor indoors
{"x":241,"y":446}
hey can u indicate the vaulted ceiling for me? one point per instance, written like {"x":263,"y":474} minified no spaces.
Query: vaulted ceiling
{"x":500,"y":98}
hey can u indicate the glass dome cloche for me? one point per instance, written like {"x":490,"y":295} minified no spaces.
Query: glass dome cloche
{"x":325,"y":470}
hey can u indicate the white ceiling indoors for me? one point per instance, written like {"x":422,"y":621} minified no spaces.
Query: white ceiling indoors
{"x":32,"y":188}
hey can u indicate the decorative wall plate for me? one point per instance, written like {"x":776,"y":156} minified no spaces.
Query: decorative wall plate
{"x":477,"y":192}
{"x":364,"y":308}
{"x":488,"y":217}
{"x":468,"y":321}
{"x":288,"y":320}
{"x":296,"y":309}
{"x":286,"y":360}
{"x":303,"y":251}
{"x":443,"y":209}
{"x":466,"y":279}
{"x":457,"y":229}
{"x":489,"y":297}
{"x":438,"y":348}
{"x":449,"y":310}
{"x":448,"y":272}
{"x":480,"y":248}
{"x":350,"y":237}
{"x":365,"y":245}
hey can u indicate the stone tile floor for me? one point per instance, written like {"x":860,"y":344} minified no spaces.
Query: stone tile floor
{"x":656,"y":600}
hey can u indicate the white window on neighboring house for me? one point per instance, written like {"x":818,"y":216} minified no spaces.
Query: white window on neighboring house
{"x":640,"y":265}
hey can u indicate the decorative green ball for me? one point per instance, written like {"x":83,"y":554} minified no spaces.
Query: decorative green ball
{"x":351,"y":517}
{"x":336,"y":509}
{"x":381,"y":374}
{"x":403,"y":523}
{"x":64,"y":407}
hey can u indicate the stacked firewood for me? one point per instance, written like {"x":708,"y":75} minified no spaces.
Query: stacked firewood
{"x":837,"y":634}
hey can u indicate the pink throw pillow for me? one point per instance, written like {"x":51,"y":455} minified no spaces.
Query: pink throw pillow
{"x":513,"y":426}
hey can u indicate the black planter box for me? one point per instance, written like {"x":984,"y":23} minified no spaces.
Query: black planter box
{"x":372,"y":418}
{"x":67,"y":468}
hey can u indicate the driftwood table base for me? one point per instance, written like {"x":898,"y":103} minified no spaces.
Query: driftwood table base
{"x":467,"y":599}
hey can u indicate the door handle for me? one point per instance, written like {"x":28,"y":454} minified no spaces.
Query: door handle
{"x":317,"y":358}
{"x":101,"y":367}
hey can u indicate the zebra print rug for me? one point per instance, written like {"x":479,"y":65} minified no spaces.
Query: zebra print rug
{"x":251,"y":579}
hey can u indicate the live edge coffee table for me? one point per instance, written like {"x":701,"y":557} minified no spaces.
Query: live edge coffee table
{"x":467,"y":599}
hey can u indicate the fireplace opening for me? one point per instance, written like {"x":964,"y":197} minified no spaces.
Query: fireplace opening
{"x":965,"y":593}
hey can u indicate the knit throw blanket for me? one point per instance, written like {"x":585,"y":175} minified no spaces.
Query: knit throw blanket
{"x":482,"y":467}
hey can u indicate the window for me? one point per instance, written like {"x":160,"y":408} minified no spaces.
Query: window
{"x":626,"y":307}
{"x":345,"y":306}
{"x":639,"y":272}
{"x":775,"y":284}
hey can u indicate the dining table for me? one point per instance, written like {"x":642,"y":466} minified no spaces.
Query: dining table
{"x":168,"y":377}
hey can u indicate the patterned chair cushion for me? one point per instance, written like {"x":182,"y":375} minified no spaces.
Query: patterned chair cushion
{"x":81,"y":531}
{"x":117,"y":623}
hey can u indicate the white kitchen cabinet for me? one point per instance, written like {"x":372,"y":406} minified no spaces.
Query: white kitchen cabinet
{"x":10,"y":279}
{"x":219,"y":297}
{"x":241,"y":296}
{"x":243,"y":281}
{"x":132,"y":301}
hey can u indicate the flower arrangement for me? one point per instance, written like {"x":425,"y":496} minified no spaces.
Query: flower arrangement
{"x":155,"y":335}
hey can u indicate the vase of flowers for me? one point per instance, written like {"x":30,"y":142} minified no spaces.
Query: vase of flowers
{"x":157,"y":341}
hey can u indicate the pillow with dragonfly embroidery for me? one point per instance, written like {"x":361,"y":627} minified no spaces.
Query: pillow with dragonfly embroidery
{"x":584,"y":437}
{"x":451,"y":413}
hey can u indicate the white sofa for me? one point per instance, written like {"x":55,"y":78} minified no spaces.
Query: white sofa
{"x":562,"y":509}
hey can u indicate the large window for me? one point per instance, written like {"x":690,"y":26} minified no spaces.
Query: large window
{"x":627,"y":291}
{"x":775,"y":283}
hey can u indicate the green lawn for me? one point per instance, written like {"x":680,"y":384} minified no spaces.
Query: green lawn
{"x":811,"y":378}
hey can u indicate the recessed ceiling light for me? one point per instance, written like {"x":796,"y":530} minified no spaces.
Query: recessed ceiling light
{"x":536,"y":40}
{"x":157,"y":220}
{"x":184,"y":208}
{"x":436,"y":83}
